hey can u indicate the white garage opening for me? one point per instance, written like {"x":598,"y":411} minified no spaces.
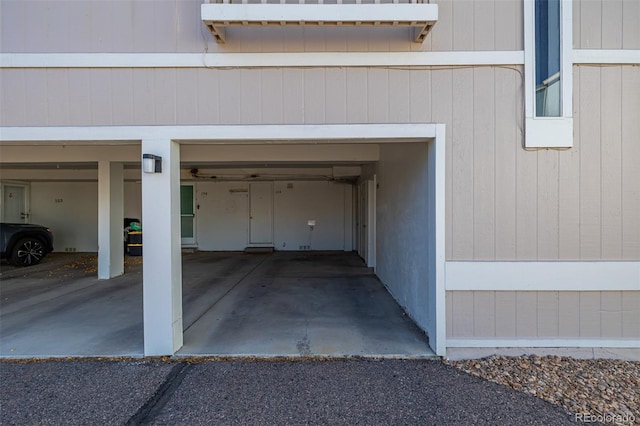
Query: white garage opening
{"x":392,"y":212}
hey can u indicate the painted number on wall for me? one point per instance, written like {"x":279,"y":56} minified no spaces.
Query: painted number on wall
{"x":58,"y":200}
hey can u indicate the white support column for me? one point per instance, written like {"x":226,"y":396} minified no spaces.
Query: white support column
{"x":436,"y":224}
{"x":162,"y":267}
{"x":110,"y":214}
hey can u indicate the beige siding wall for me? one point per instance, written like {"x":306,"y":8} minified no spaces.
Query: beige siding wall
{"x":543,"y":314}
{"x":502,"y":203}
{"x":175,"y":26}
{"x":606,"y":24}
{"x":603,"y":171}
{"x":477,"y":25}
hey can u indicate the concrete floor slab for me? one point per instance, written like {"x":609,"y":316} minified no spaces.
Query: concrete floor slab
{"x":234,"y":304}
{"x":60,"y":308}
{"x":301,"y":304}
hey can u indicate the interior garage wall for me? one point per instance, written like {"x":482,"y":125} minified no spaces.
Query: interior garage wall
{"x":133,"y":200}
{"x":295,"y":203}
{"x":70,"y":209}
{"x":222,"y":218}
{"x":402,"y":234}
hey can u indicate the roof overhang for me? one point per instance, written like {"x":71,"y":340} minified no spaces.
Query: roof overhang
{"x":420,"y":16}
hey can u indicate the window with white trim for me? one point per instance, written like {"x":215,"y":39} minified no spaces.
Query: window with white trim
{"x":547,"y":57}
{"x":548,"y":74}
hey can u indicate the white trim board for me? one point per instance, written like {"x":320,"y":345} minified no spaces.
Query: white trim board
{"x":606,"y":56}
{"x":299,"y":59}
{"x":543,"y":343}
{"x":542,"y":276}
{"x":259,"y":60}
{"x":223,"y":134}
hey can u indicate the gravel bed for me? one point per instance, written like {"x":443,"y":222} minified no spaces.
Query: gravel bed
{"x":602,"y":389}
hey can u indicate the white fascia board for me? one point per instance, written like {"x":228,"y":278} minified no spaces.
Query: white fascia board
{"x":232,"y":134}
{"x":542,"y":343}
{"x":226,"y":14}
{"x":260,"y":60}
{"x":543,"y":276}
{"x":606,"y":56}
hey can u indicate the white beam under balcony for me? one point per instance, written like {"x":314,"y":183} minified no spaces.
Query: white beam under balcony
{"x":420,"y":16}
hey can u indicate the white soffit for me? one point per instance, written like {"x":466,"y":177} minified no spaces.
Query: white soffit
{"x":218,"y":16}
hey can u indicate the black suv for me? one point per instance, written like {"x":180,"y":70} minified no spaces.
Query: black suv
{"x":25,"y":245}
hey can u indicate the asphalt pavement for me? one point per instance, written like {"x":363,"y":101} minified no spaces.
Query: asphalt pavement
{"x":260,"y":392}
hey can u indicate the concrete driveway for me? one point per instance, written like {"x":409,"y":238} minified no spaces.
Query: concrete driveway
{"x":285,"y":303}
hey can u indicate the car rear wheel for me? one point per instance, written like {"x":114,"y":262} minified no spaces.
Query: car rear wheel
{"x":27,"y":251}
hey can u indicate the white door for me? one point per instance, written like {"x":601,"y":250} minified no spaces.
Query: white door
{"x":187,"y":215}
{"x":261,"y":213}
{"x":15,"y":203}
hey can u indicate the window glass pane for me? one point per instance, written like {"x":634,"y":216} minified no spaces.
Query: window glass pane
{"x":186,"y":199}
{"x":186,"y":211}
{"x":186,"y":226}
{"x":548,"y":99}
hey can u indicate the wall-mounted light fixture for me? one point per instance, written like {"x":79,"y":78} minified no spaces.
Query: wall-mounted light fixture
{"x":151,"y":163}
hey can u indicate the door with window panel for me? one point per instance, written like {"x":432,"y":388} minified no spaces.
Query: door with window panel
{"x":187,"y":215}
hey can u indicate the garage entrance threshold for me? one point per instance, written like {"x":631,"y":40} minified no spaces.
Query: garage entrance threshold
{"x":264,"y":305}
